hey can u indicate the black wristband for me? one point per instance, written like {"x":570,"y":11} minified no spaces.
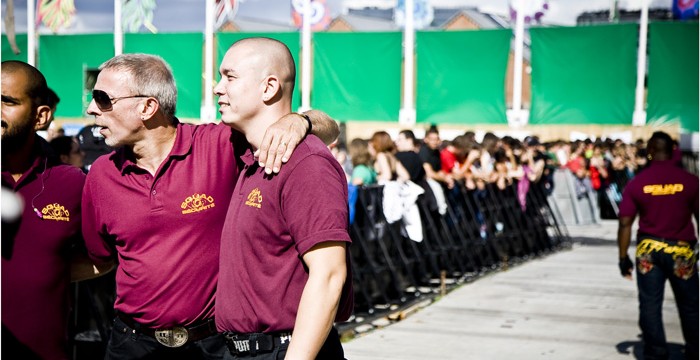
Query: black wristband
{"x":308,"y":120}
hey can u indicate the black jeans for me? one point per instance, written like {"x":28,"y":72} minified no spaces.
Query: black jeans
{"x":654,"y":267}
{"x":331,"y":350}
{"x":125,"y":344}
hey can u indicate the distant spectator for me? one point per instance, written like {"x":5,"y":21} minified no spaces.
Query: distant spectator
{"x":405,"y":144}
{"x":430,"y":155}
{"x":363,"y":169}
{"x":68,"y":151}
{"x":92,"y":143}
{"x":387,"y":166}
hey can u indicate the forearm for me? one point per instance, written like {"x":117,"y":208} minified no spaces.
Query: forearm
{"x":315,"y":315}
{"x":624,"y":235}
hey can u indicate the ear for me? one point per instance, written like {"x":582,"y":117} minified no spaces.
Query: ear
{"x":64,"y":158}
{"x":149,"y":108}
{"x":43,"y":117}
{"x":271,"y":88}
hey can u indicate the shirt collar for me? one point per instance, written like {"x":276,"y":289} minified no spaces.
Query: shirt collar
{"x":124,"y":157}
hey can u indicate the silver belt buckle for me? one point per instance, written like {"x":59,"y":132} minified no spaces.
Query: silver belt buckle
{"x":174,"y":337}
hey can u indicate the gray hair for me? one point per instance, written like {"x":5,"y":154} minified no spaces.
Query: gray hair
{"x":150,"y":75}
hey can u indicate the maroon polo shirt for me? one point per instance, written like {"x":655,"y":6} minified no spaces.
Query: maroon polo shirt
{"x":36,"y":262}
{"x":665,"y":196}
{"x":271,"y":223}
{"x":165,"y":230}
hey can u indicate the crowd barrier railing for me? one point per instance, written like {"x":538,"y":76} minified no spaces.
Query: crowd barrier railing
{"x":481,"y":231}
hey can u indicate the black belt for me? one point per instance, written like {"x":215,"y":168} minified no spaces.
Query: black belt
{"x":175,"y":336}
{"x":240,"y":344}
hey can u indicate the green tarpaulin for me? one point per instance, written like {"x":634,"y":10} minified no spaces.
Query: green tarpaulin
{"x":673,"y":74}
{"x":584,"y":75}
{"x":461,"y":76}
{"x":357,"y":76}
{"x":184,"y":52}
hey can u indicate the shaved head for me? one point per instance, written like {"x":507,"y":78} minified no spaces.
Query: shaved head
{"x":660,"y":146}
{"x":273,"y":58}
{"x":36,"y":87}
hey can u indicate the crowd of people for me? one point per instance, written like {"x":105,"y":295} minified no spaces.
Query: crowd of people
{"x":223,"y":185}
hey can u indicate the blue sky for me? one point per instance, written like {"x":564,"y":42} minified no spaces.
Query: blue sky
{"x":188,"y":15}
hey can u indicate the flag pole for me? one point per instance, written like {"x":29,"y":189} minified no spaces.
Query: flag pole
{"x":31,"y":33}
{"x":407,"y":114}
{"x":517,"y":116}
{"x":207,"y":112}
{"x":118,"y":31}
{"x":306,"y":57}
{"x":639,"y":118}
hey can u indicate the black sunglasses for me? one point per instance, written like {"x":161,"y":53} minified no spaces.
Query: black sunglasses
{"x":104,"y":102}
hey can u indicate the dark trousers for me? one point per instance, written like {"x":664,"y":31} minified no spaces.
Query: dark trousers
{"x":331,"y":350}
{"x":127,"y":344}
{"x":653,"y":269}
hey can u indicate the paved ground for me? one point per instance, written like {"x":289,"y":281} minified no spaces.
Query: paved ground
{"x":572,"y":304}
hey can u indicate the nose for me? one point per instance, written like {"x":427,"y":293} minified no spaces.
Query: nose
{"x":219,"y":88}
{"x":92,"y":108}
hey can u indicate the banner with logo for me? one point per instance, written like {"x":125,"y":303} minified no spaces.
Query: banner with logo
{"x":320,"y":14}
{"x":423,"y":13}
{"x":584,"y":75}
{"x":673,"y":74}
{"x":685,"y":9}
{"x":138,"y":13}
{"x":225,"y":12}
{"x":55,"y":14}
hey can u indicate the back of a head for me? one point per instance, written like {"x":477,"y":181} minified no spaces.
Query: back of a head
{"x":463,"y":143}
{"x":150,"y":75}
{"x":408,"y":134}
{"x":36,"y":82}
{"x":660,"y":145}
{"x":359,"y":153}
{"x":382,"y":142}
{"x":62,"y":145}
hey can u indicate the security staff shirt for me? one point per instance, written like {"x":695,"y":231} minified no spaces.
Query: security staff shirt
{"x":164,"y":230}
{"x":665,"y":196}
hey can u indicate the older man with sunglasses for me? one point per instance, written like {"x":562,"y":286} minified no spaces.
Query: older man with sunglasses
{"x":158,"y":205}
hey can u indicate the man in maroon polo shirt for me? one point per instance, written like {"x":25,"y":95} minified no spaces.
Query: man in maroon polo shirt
{"x":283,"y":274}
{"x":666,"y":198}
{"x":40,"y":251}
{"x":158,"y":205}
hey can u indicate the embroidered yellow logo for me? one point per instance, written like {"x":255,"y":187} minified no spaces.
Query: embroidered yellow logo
{"x":254,"y":198}
{"x":56,"y":212}
{"x":666,"y":189}
{"x":196,"y":203}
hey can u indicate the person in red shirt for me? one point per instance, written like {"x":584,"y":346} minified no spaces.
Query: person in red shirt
{"x":158,"y":203}
{"x":285,"y":275}
{"x":666,"y":199}
{"x":41,"y":252}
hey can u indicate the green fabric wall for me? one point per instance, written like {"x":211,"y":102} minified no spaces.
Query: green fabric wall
{"x":291,"y":39}
{"x":673,"y":74}
{"x":461,"y":76}
{"x":184,"y":52}
{"x":357,"y":76}
{"x":64,"y":58}
{"x":7,"y":53}
{"x":584,"y":75}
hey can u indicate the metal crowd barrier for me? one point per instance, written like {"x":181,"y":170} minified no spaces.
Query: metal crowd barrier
{"x":481,"y":231}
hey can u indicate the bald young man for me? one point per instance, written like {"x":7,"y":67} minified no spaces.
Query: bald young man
{"x":284,"y":275}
